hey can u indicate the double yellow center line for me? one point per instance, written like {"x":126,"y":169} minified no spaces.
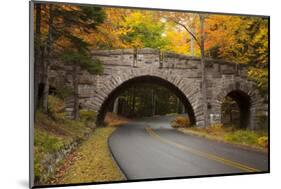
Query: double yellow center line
{"x":202,"y":154}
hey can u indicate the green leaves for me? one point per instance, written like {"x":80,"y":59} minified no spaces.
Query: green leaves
{"x":93,"y":66}
{"x":74,"y":23}
{"x":93,"y":16}
{"x":84,"y":60}
{"x":144,"y":30}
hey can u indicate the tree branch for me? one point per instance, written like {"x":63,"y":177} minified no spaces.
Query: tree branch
{"x":193,"y":36}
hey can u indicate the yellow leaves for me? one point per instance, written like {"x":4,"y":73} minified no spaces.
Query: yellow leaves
{"x":181,"y":122}
{"x":179,"y":38}
{"x":137,"y":43}
{"x":260,"y":76}
{"x":123,"y":31}
{"x":178,"y":41}
{"x":263,"y":141}
{"x":240,"y":39}
{"x":134,"y":18}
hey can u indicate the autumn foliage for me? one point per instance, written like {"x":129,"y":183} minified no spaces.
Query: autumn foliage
{"x":77,"y":29}
{"x":180,"y":122}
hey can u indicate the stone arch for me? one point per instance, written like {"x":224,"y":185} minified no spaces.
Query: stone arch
{"x":187,"y":91}
{"x":247,"y":98}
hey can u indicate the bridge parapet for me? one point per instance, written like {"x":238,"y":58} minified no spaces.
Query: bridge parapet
{"x":147,"y":57}
{"x":177,"y":61}
{"x":118,"y":57}
{"x":153,"y":58}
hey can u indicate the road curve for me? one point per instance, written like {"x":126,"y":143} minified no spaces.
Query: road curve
{"x":149,"y":148}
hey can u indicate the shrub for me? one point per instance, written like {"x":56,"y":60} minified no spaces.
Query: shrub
{"x":215,"y":129}
{"x":56,"y":108}
{"x":263,"y":141}
{"x":87,"y":115}
{"x":49,"y":142}
{"x":112,"y":119}
{"x":38,"y":168}
{"x":180,"y":121}
{"x":52,"y":136}
{"x":64,"y":92}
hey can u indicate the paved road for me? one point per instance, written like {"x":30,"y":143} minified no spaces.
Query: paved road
{"x":150,"y":148}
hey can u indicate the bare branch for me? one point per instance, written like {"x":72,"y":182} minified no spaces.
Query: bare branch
{"x":187,"y":29}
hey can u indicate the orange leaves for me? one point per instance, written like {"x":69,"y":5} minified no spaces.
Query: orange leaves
{"x":217,"y":32}
{"x":239,"y":38}
{"x":178,"y":41}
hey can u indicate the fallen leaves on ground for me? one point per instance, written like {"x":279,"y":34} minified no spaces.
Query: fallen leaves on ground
{"x":91,"y":162}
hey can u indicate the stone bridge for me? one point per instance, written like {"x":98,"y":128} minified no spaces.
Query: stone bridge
{"x":125,"y":67}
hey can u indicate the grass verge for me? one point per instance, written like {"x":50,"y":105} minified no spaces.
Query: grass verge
{"x":255,"y":140}
{"x":91,"y":162}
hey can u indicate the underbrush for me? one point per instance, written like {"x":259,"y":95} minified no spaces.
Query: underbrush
{"x":92,"y":161}
{"x":54,"y":137}
{"x":247,"y":137}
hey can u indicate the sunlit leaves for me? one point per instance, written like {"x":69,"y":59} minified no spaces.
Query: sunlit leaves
{"x":239,"y":39}
{"x":144,"y":30}
{"x":243,"y":40}
{"x":260,"y":76}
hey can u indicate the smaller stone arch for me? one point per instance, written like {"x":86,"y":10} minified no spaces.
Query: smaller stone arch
{"x":247,"y":98}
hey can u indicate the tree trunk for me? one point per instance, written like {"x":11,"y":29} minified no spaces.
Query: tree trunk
{"x":46,"y":88}
{"x":182,"y":109}
{"x":153,"y":101}
{"x":134,"y":100}
{"x":115,"y":105}
{"x":37,"y":61}
{"x":75,"y":80}
{"x":130,"y":101}
{"x":192,"y":40}
{"x":47,"y":61}
{"x":177,"y":105}
{"x":204,"y":88}
{"x":155,"y":104}
{"x":231,"y":118}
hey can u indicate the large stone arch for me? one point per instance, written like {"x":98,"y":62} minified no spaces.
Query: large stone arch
{"x":246,"y":90}
{"x":183,"y":72}
{"x":189,"y":89}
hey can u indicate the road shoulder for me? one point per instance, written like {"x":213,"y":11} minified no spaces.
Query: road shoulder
{"x":220,"y":140}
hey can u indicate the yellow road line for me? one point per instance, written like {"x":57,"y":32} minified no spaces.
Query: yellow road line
{"x":203,"y":154}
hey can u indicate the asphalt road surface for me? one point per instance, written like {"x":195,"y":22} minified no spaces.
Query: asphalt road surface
{"x":151,"y":148}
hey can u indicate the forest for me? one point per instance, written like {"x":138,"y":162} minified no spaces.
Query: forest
{"x":68,"y":32}
{"x":147,"y":100}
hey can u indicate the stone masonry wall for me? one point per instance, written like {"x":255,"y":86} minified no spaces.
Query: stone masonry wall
{"x":121,"y":65}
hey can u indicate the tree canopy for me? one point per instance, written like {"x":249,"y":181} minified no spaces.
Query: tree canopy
{"x":69,"y":32}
